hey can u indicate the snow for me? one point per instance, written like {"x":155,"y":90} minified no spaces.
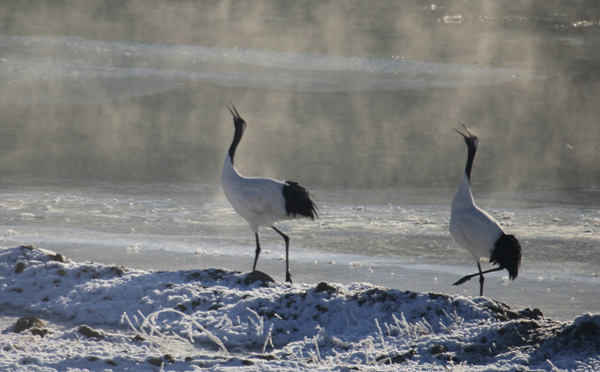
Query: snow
{"x":116,"y":318}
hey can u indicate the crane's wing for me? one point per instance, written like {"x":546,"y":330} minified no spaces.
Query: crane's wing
{"x":262,"y":195}
{"x":479,"y":229}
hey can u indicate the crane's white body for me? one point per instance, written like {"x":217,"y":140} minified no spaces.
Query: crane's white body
{"x":471,"y":227}
{"x":258,"y":200}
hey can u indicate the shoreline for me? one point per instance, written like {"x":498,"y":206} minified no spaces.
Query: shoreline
{"x":528,"y":291}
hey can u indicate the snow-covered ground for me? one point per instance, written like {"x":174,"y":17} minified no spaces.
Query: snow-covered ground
{"x":99,"y":317}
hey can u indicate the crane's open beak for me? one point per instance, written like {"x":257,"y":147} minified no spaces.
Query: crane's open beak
{"x":233,"y":111}
{"x":470,"y":136}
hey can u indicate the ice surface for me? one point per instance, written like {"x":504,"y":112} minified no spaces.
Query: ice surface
{"x":403,"y":246}
{"x":101,"y":316}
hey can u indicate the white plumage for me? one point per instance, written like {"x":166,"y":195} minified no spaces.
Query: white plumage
{"x":263,"y":201}
{"x":472,"y":227}
{"x":259,"y":200}
{"x":477,"y":231}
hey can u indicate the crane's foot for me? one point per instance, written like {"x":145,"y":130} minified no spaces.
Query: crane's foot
{"x":465,"y":279}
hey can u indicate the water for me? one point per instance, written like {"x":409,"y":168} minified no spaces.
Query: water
{"x":114,"y":129}
{"x":97,"y":61}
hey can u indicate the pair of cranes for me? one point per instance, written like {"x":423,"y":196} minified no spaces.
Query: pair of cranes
{"x":264,"y":201}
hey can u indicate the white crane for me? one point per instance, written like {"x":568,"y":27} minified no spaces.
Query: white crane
{"x":263,"y":201}
{"x":477,"y":231}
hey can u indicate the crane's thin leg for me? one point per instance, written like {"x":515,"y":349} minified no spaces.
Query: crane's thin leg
{"x":257,"y":251}
{"x":481,"y":279}
{"x":288,"y":276}
{"x":480,"y":273}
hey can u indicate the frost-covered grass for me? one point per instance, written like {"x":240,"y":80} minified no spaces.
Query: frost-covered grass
{"x":107,"y":317}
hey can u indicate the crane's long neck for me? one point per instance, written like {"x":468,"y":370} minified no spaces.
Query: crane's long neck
{"x":237,"y":137}
{"x":229,"y":175}
{"x":464,"y":197}
{"x":470,"y":159}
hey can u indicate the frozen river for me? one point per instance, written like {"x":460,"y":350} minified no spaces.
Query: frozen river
{"x":392,"y":238}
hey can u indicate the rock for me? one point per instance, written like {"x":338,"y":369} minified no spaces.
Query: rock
{"x":396,"y":359}
{"x":39,"y":331}
{"x":19,"y":267}
{"x":118,"y":270}
{"x":156,"y":361}
{"x":264,"y":356}
{"x":89,"y":332}
{"x":535,"y":314}
{"x":181,"y":307}
{"x":257,"y":276}
{"x":439,"y":349}
{"x":27,"y":322}
{"x":57,"y":257}
{"x":167,"y":358}
{"x":325,"y":287}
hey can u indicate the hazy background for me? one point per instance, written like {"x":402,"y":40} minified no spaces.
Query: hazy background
{"x":538,"y":132}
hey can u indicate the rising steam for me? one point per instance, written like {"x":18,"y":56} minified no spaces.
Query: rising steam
{"x":357,"y":94}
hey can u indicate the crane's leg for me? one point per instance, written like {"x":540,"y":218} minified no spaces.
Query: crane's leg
{"x":480,"y":274}
{"x":257,"y":251}
{"x":481,"y":279}
{"x":288,"y":276}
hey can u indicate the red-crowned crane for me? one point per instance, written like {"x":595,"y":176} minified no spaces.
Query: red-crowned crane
{"x":263,"y":201}
{"x":478,"y":232}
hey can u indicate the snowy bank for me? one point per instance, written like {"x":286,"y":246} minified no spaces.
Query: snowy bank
{"x":96,"y":316}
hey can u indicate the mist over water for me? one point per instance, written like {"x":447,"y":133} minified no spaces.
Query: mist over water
{"x":353,"y":94}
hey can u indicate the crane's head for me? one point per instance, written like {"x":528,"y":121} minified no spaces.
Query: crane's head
{"x":238,"y":122}
{"x":470,"y":139}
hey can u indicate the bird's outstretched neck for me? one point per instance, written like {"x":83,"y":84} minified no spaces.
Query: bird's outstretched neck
{"x":470,"y":160}
{"x":240,"y":127}
{"x":236,"y":140}
{"x":472,"y":143}
{"x":463,"y":197}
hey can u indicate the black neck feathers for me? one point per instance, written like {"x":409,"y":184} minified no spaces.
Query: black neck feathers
{"x":472,"y":143}
{"x":471,"y":157}
{"x":237,"y":137}
{"x":240,"y":127}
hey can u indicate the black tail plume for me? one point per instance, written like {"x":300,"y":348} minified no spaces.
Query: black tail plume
{"x":507,"y":254}
{"x":297,"y":200}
